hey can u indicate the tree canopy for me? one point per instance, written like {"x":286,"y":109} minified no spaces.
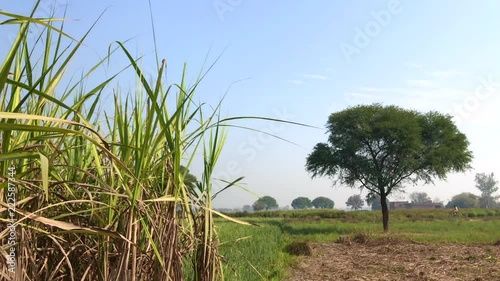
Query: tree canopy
{"x":301,"y":203}
{"x":355,"y":202}
{"x":323,"y":203}
{"x":488,"y":186}
{"x":464,"y":200}
{"x":381,"y":148}
{"x":420,"y":197}
{"x":265,"y":203}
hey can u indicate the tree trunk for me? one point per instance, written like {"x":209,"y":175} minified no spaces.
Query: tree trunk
{"x":385,"y":211}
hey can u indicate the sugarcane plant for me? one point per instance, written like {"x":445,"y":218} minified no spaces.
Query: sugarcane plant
{"x":102,"y":192}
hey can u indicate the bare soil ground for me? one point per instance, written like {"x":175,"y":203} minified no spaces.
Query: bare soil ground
{"x":392,"y":259}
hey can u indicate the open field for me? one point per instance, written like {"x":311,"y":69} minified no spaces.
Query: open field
{"x":421,"y":245}
{"x":392,"y":259}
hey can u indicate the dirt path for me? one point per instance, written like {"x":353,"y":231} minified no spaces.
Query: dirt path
{"x":398,"y":260}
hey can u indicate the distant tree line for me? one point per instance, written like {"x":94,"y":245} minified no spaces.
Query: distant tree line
{"x":269,"y":203}
{"x":318,"y":203}
{"x":485,"y":183}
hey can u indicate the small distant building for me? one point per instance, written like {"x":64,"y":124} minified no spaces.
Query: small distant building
{"x":407,"y":205}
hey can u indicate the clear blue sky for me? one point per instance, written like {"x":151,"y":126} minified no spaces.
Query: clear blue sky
{"x":306,"y":59}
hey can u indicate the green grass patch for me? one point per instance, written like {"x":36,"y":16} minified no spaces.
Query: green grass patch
{"x":252,"y":253}
{"x":451,"y":231}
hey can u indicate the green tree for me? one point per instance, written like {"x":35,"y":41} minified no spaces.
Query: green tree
{"x":355,"y":202}
{"x":420,"y":197}
{"x":381,"y":148}
{"x":265,"y":203}
{"x":259,"y":205}
{"x":301,"y":203}
{"x":247,"y":208}
{"x":464,"y":200}
{"x":487,"y":185}
{"x":323,"y":203}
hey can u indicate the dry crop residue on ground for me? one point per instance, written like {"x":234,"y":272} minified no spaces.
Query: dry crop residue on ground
{"x":392,"y":259}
